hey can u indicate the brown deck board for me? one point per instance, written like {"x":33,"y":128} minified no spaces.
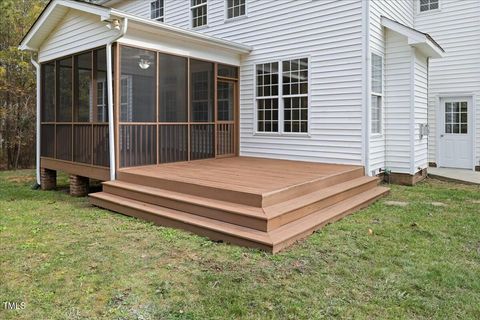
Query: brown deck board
{"x":248,"y":174}
{"x":255,"y":202}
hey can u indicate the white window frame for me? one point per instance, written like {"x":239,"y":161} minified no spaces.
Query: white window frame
{"x":429,"y":10}
{"x":191,"y":14}
{"x":160,"y":4}
{"x":237,"y":17}
{"x":280,"y":97}
{"x":374,"y":94}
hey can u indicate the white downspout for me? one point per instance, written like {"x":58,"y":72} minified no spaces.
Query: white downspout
{"x":111,"y":127}
{"x":37,"y":152}
{"x":366,"y":97}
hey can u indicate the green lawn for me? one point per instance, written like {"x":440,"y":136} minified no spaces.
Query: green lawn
{"x":66,"y":259}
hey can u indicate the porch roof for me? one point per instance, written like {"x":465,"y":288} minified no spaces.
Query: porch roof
{"x":421,"y":40}
{"x":54,"y":12}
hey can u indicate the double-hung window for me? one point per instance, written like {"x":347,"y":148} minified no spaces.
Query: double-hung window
{"x":282,"y":96}
{"x":235,"y":8}
{"x":267,"y":97}
{"x":199,"y":12}
{"x":295,"y":95}
{"x":157,"y":10}
{"x":427,"y":5}
{"x":377,"y":94}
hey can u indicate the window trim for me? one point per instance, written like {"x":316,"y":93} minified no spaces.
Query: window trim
{"x":240,"y":17}
{"x":159,"y":18}
{"x":191,"y":15}
{"x":430,"y":10}
{"x":377,"y":94}
{"x":281,"y":97}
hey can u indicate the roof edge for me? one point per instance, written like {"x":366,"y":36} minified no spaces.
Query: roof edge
{"x":415,"y":37}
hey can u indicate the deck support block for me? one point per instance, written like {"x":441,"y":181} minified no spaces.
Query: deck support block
{"x":405,"y":179}
{"x":78,"y":185}
{"x":48,"y":179}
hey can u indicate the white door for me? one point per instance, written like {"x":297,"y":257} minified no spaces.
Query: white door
{"x":455,"y":133}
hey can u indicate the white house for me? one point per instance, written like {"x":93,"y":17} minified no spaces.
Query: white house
{"x":369,"y":78}
{"x":317,"y":97}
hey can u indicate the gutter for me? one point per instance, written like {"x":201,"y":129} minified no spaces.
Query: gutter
{"x":37,"y":152}
{"x":111,"y":126}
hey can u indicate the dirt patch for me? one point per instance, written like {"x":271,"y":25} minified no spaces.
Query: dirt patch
{"x":396,"y":203}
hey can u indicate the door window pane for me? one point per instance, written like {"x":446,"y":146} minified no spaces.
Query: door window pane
{"x":64,"y":96}
{"x":456,"y":117}
{"x":48,"y":92}
{"x":226,"y":100}
{"x":201,"y":75}
{"x":83,"y":87}
{"x":138,"y":85}
{"x":173,"y":89}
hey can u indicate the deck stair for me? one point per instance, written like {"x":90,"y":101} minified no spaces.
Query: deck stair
{"x":270,"y":220}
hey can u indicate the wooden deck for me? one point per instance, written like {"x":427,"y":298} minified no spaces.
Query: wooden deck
{"x":256,"y":202}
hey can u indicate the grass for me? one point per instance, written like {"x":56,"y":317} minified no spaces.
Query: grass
{"x":66,"y":259}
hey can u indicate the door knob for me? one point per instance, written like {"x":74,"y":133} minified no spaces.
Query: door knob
{"x":441,"y":136}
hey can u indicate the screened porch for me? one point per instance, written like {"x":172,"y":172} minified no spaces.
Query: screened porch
{"x":167,"y":108}
{"x":174,"y":108}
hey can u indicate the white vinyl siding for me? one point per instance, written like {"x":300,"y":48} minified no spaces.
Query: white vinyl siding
{"x":398,"y":103}
{"x":421,"y":110}
{"x":403,"y":12}
{"x":457,"y":28}
{"x":77,"y":32}
{"x":329,"y":33}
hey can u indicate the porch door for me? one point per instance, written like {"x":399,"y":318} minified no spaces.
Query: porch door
{"x":226,"y":107}
{"x":455,"y":133}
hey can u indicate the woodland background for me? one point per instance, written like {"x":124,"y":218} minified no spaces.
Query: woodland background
{"x":17,"y":84}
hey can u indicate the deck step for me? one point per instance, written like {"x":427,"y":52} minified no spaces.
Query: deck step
{"x":214,"y":229}
{"x":245,"y":196}
{"x":265,"y":219}
{"x":301,"y":228}
{"x":243,"y":215}
{"x":272,"y":241}
{"x":285,"y":212}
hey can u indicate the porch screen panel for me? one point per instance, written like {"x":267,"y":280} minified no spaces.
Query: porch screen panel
{"x":138,"y":85}
{"x":138,"y":145}
{"x":83,"y":107}
{"x":201,"y":75}
{"x":173,"y":89}
{"x":64,"y":141}
{"x":101,"y":154}
{"x":48,"y":92}
{"x":64,"y":90}
{"x":101,"y":85}
{"x":47,"y":140}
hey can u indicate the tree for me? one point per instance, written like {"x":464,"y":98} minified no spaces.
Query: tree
{"x":17,"y":84}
